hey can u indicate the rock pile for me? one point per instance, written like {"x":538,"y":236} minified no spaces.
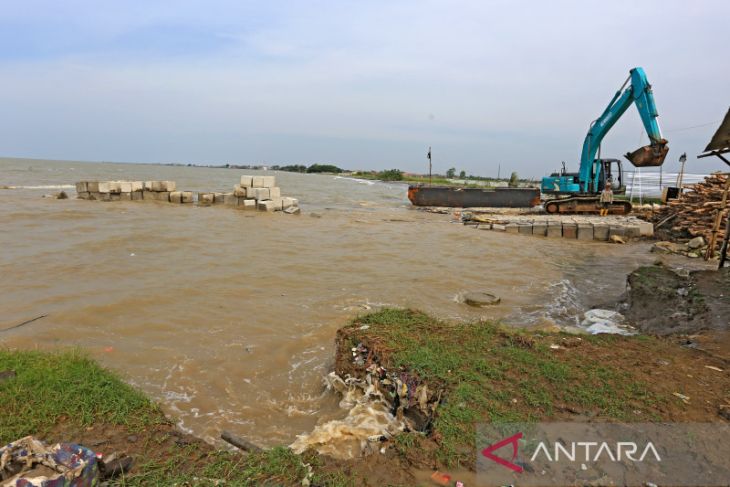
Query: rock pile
{"x":253,"y":193}
{"x":696,"y":213}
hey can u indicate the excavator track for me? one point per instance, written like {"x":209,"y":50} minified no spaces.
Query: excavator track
{"x":585,"y":205}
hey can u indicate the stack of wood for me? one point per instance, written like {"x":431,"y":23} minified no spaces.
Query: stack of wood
{"x":695,"y":214}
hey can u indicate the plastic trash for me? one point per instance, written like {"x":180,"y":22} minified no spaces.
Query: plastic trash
{"x":28,"y":462}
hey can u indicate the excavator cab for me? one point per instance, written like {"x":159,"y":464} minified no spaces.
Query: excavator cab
{"x":611,"y":170}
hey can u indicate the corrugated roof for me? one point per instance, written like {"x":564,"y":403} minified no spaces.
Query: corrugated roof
{"x":721,"y":140}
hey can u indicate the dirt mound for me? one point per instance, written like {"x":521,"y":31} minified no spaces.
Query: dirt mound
{"x":659,"y":301}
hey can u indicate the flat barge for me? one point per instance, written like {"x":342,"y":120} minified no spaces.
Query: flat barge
{"x":421,"y":195}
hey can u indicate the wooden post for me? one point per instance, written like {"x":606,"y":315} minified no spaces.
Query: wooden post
{"x":718,"y":221}
{"x":725,"y":243}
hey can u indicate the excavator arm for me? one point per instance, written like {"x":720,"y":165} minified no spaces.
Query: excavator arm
{"x":639,"y":92}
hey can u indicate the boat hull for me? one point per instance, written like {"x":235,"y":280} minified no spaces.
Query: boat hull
{"x":473,"y":197}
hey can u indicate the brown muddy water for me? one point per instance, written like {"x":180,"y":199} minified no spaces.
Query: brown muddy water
{"x":228,"y":317}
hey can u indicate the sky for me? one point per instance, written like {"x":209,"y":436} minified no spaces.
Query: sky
{"x":489,"y":85}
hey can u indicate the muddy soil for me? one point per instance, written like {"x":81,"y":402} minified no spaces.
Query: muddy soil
{"x":661,"y":301}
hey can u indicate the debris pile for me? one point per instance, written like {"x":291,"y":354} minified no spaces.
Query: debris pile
{"x":696,"y":213}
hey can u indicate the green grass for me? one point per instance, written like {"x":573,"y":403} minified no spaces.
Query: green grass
{"x":69,"y":387}
{"x":54,"y":386}
{"x":491,"y":374}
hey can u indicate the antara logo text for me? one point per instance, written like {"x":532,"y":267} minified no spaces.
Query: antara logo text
{"x":578,"y":451}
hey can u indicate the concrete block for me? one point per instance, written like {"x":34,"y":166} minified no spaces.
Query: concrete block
{"x":616,"y":230}
{"x":570,"y":230}
{"x":104,"y":187}
{"x":278,"y":203}
{"x":218,"y":198}
{"x":481,"y":226}
{"x":269,"y":182}
{"x":163,"y":196}
{"x":137,"y":185}
{"x":147,"y":186}
{"x":257,"y":182}
{"x":246,"y":204}
{"x":104,"y":196}
{"x":289,"y":202}
{"x":81,"y":187}
{"x":600,"y":231}
{"x":92,"y":186}
{"x":240,"y":191}
{"x":115,"y":196}
{"x":259,"y":193}
{"x":125,"y":187}
{"x":246,"y":181}
{"x":176,"y":196}
{"x":539,"y":228}
{"x":83,"y":195}
{"x":230,"y":199}
{"x":646,"y":229}
{"x":498,"y":227}
{"x":125,"y":196}
{"x":632,"y":231}
{"x":148,"y":195}
{"x":187,"y":196}
{"x":511,"y":228}
{"x":266,"y":205}
{"x":115,"y":187}
{"x":206,"y":198}
{"x":163,"y":186}
{"x":585,"y":231}
{"x":524,"y":228}
{"x":136,"y":195}
{"x":275,"y":192}
{"x":554,"y":229}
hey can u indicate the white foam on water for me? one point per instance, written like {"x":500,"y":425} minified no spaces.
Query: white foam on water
{"x":368,"y":419}
{"x":44,"y":186}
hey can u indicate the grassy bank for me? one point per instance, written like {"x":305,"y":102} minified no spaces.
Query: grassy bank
{"x":486,"y":373}
{"x":66,"y":396}
{"x":481,"y":372}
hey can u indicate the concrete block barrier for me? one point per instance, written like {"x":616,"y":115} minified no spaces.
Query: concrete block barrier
{"x":554,"y":229}
{"x":600,"y":231}
{"x":585,"y":231}
{"x":511,"y":228}
{"x":539,"y":229}
{"x":254,"y":192}
{"x":570,"y":230}
{"x":524,"y":228}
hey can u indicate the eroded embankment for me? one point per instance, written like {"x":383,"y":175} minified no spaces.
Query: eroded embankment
{"x":440,"y":378}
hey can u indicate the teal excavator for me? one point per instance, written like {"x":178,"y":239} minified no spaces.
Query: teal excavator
{"x":578,"y":192}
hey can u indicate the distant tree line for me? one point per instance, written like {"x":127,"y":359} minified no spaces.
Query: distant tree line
{"x":314,"y":168}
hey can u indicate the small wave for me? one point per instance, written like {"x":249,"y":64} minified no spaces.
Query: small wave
{"x":42,"y":186}
{"x":361,"y":181}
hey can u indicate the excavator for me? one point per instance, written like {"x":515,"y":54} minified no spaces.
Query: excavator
{"x":579,"y":192}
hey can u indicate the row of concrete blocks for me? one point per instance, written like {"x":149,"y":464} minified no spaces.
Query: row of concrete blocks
{"x":183,"y":197}
{"x":580,"y":231}
{"x":257,"y":182}
{"x":257,"y":193}
{"x":118,"y":187}
{"x":268,"y":204}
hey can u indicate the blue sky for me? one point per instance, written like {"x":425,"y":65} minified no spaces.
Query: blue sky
{"x":359,"y":84}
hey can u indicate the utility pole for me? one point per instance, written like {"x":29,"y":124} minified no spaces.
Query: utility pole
{"x":499,"y":170}
{"x":429,"y":165}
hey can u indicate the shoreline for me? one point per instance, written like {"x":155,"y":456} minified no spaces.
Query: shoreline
{"x":464,"y":373}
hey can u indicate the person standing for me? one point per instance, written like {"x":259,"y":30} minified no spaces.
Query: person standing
{"x":606,"y":199}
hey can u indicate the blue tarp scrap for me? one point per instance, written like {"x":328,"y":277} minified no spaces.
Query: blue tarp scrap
{"x":70,"y":465}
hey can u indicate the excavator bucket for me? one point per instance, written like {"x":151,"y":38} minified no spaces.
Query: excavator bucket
{"x":649,"y":155}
